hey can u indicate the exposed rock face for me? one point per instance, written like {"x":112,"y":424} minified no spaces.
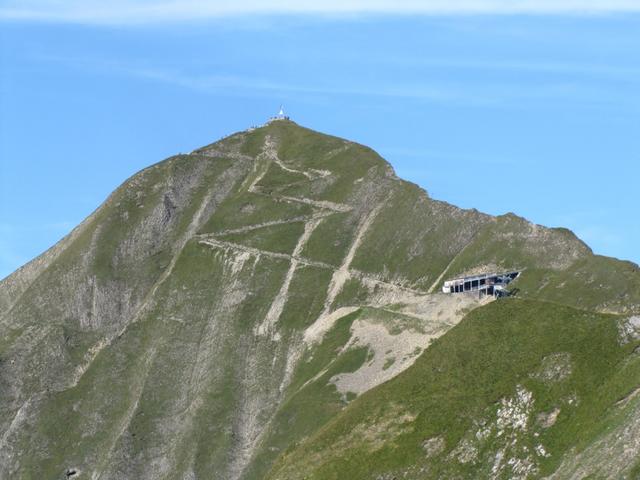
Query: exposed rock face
{"x":222,"y":306}
{"x":629,"y":329}
{"x":554,"y":368}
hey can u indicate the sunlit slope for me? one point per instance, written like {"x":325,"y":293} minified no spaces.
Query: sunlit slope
{"x":222,"y":306}
{"x":513,"y":390}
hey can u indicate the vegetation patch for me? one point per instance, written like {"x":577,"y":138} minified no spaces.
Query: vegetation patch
{"x":277,"y":238}
{"x":476,"y":389}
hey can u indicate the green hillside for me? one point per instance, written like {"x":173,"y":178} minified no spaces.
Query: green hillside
{"x":268,"y":306}
{"x":506,"y":393}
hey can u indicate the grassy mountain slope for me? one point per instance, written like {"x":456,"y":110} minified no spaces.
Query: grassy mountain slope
{"x":230,"y":309}
{"x":504,"y":394}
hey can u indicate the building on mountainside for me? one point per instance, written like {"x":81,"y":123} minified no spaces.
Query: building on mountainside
{"x":280,"y":116}
{"x":485,"y":284}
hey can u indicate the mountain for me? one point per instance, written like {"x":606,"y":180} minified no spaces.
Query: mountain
{"x":270,"y":306}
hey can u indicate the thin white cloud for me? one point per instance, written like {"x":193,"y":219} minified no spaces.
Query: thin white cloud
{"x":151,"y":11}
{"x":484,"y":95}
{"x":490,"y":94}
{"x":566,"y":68}
{"x":258,"y":86}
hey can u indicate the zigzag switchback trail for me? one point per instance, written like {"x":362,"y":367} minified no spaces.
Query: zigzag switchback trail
{"x":267,"y":307}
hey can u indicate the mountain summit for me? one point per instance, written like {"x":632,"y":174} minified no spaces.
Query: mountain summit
{"x":271,"y":306}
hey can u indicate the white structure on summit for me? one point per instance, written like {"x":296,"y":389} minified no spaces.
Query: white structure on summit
{"x":280,"y":116}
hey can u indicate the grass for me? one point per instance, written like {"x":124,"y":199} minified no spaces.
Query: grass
{"x":388,"y":363}
{"x":245,"y":209}
{"x":594,"y":282}
{"x":311,"y":400}
{"x":331,"y":239}
{"x":276,"y":238}
{"x":278,"y":180}
{"x":353,"y":293}
{"x":512,"y":242}
{"x":415,"y":238}
{"x":304,"y":148}
{"x":394,"y":322}
{"x":456,"y":383}
{"x":306,"y":297}
{"x":190,"y":369}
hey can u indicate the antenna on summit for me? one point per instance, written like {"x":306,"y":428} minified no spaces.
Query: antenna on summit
{"x":281,"y":113}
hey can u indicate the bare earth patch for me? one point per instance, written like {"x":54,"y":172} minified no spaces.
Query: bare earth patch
{"x":548,"y":419}
{"x":406,"y":346}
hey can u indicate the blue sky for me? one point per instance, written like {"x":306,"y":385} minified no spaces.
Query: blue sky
{"x":534,"y":109}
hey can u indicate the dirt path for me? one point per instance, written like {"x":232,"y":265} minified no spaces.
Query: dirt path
{"x":273,"y":315}
{"x":215,"y":243}
{"x":343,"y":274}
{"x":257,"y":226}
